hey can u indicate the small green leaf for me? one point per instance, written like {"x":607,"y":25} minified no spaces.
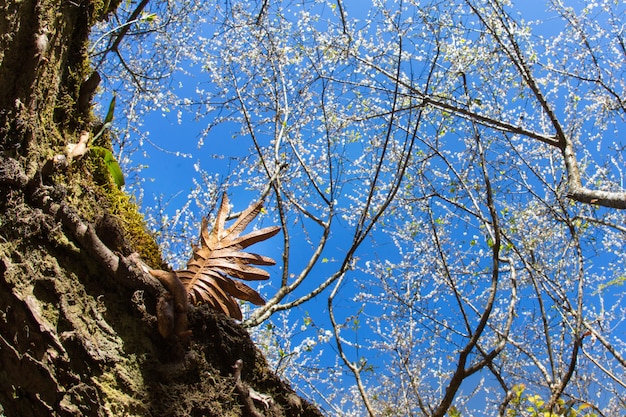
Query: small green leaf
{"x":454,"y":412}
{"x":109,"y":116}
{"x":112,"y":165}
{"x":148,"y":17}
{"x":108,"y":120}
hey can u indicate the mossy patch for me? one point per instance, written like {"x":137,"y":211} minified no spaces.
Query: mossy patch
{"x":91,"y":191}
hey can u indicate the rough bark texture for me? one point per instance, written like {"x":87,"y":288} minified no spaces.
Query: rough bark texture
{"x":78,"y":335}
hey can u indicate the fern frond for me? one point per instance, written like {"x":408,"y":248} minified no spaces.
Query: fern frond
{"x":219,"y":257}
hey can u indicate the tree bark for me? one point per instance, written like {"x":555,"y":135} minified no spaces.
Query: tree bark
{"x":78,"y":335}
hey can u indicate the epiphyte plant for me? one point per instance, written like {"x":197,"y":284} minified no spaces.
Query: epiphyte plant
{"x":208,"y":277}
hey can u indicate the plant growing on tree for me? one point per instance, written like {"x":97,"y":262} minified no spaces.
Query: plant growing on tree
{"x":206,"y":280}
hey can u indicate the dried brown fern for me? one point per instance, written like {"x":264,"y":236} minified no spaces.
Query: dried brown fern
{"x":220,"y":256}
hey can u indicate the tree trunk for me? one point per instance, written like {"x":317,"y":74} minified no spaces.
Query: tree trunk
{"x":77,"y":329}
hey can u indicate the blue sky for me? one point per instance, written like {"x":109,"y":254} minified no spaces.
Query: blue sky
{"x":169,"y":172}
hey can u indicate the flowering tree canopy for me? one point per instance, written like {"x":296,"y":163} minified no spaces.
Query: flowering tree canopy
{"x":448,"y":176}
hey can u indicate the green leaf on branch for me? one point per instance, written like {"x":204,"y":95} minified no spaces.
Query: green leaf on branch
{"x":454,"y":412}
{"x":111,"y":163}
{"x":109,"y":116}
{"x":108,"y":120}
{"x":148,"y":17}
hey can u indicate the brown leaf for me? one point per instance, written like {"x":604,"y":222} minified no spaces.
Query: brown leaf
{"x":219,"y":257}
{"x":211,"y":292}
{"x":254,"y":237}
